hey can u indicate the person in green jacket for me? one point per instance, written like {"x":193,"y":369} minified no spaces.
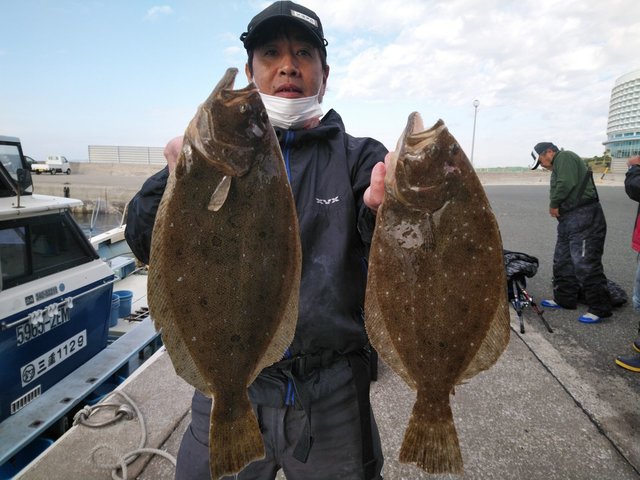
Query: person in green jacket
{"x":577,"y":259}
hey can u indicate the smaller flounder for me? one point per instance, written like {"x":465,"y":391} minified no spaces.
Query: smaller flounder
{"x":436,"y":308}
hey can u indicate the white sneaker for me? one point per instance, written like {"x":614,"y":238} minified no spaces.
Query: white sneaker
{"x":589,"y":318}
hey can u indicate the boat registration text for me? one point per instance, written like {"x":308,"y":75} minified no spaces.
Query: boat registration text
{"x":28,"y":331}
{"x":53,"y":357}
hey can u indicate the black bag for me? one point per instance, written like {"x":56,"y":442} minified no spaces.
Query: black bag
{"x":617,"y":294}
{"x":518,"y":266}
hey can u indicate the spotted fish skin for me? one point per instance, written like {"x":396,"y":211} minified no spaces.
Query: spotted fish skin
{"x":225,"y":264}
{"x":435,"y":307}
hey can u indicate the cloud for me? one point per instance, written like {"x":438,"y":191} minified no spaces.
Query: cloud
{"x":540,"y":68}
{"x":441,"y":47}
{"x":157,"y":11}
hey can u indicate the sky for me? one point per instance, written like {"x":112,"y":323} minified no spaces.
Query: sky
{"x":75,"y":73}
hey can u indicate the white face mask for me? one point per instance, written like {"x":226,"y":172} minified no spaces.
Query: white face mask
{"x":291,"y":113}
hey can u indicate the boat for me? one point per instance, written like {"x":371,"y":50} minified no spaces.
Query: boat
{"x":64,"y":338}
{"x":112,"y":247}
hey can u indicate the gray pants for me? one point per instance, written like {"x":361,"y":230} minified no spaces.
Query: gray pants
{"x":577,"y":260}
{"x":336,"y":451}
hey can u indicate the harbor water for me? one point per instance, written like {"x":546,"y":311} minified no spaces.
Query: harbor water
{"x":94,"y":224}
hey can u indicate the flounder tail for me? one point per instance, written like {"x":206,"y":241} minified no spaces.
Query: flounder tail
{"x":432,"y":443}
{"x":234,"y":437}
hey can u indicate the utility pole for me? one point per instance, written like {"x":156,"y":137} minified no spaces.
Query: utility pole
{"x":476,"y":103}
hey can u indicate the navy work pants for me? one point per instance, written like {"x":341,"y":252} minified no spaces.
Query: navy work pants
{"x":336,"y":451}
{"x":577,"y":260}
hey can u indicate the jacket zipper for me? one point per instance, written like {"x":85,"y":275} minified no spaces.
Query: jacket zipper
{"x":286,"y":150}
{"x":288,"y":140}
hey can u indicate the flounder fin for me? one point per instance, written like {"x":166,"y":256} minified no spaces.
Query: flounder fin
{"x":181,"y":358}
{"x":432,"y":445}
{"x":220,"y":194}
{"x":286,"y":330}
{"x":379,"y":335}
{"x":428,"y":228}
{"x":233,"y":444}
{"x":172,"y":336}
{"x":160,"y":308}
{"x":493,"y":344}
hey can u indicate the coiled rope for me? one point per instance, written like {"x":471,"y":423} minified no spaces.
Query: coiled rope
{"x":122,"y":411}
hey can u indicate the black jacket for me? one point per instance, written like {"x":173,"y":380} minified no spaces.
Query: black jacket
{"x":329,"y":171}
{"x":632,"y":183}
{"x":632,"y":188}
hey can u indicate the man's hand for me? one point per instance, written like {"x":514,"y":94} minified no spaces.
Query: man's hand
{"x":554,"y":212}
{"x":172,"y":152}
{"x":374,"y":194}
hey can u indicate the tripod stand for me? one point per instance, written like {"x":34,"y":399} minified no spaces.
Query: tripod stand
{"x":519,"y":265}
{"x":520,"y":299}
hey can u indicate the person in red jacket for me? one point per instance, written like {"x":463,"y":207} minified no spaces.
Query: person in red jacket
{"x":632,"y":187}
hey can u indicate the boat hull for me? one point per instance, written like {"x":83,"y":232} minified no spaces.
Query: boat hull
{"x":48,"y":339}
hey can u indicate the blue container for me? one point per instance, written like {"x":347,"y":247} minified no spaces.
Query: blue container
{"x":125,"y":302}
{"x":115,"y":310}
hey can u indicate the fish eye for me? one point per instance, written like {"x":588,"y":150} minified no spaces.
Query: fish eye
{"x":244,"y":108}
{"x":263,"y":116}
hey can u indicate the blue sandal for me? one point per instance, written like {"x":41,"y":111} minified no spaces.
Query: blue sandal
{"x":549,"y":304}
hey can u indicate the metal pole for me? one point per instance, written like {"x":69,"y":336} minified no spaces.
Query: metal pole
{"x":476,"y":103}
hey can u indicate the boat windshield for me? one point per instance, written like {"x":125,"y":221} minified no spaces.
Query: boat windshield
{"x":10,"y":165}
{"x":35,"y":247}
{"x":10,"y":158}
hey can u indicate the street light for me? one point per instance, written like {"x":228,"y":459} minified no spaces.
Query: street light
{"x":476,"y":103}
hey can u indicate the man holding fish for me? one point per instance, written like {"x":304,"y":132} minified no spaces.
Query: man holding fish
{"x":313,"y":405}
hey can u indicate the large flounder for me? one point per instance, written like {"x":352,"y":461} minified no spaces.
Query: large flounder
{"x":436,"y":307}
{"x":225,"y":264}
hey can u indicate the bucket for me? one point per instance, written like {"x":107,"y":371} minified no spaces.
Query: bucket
{"x":115,"y":306}
{"x":125,"y":302}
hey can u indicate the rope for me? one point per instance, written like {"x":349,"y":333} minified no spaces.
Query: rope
{"x":122,"y":411}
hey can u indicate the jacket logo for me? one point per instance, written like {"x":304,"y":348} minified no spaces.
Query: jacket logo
{"x":327,"y":201}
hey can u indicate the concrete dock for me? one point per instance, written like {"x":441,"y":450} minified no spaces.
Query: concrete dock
{"x":515,"y":421}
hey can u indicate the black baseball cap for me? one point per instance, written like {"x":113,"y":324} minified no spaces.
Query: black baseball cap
{"x":286,"y":10}
{"x":538,"y":150}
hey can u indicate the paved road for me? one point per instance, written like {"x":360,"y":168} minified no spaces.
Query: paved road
{"x":581,"y":356}
{"x":527,"y":227}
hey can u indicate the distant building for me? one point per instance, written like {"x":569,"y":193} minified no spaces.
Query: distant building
{"x":623,"y":127}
